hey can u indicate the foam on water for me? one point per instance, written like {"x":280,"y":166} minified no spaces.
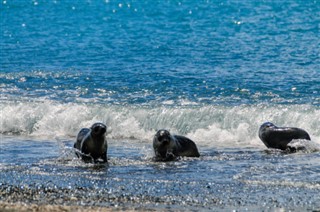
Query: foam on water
{"x":208,"y":125}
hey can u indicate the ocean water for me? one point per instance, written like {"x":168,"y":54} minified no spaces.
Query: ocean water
{"x":212,"y":70}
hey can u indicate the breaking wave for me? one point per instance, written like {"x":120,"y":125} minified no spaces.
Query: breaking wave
{"x":208,"y":125}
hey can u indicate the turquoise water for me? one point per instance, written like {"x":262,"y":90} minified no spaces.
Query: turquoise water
{"x":210,"y":70}
{"x":150,"y":52}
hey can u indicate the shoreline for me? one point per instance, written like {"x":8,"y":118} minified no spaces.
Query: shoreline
{"x":20,"y":206}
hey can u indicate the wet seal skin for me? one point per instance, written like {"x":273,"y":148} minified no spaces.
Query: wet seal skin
{"x":279,"y":137}
{"x":168,"y":147}
{"x":91,"y":144}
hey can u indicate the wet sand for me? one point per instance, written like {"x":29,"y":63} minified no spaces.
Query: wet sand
{"x":19,"y":206}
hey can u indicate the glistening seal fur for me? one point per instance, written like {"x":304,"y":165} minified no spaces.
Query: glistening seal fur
{"x":168,"y":147}
{"x":91,"y":143}
{"x":279,"y":137}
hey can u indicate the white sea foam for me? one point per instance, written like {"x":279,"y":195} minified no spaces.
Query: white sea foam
{"x":208,"y":125}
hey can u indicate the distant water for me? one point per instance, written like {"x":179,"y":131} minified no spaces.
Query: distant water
{"x":210,"y":70}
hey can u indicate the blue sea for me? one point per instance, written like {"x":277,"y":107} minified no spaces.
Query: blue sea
{"x":211,"y":70}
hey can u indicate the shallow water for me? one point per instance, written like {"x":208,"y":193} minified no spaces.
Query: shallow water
{"x":222,"y":178}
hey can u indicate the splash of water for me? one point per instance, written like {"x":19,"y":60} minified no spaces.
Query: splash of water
{"x":208,"y":125}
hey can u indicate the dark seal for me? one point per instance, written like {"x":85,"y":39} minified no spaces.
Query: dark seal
{"x":169,"y":147}
{"x":279,"y":137}
{"x":91,"y":144}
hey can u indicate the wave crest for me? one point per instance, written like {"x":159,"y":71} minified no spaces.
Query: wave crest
{"x":208,"y":125}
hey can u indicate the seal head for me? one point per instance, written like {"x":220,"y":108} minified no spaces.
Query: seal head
{"x":279,"y":137}
{"x":98,"y":130}
{"x":91,"y":143}
{"x":163,"y":144}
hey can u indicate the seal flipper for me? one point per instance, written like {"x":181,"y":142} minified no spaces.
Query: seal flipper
{"x":170,"y":156}
{"x":104,"y":157}
{"x":291,"y":149}
{"x":167,"y":157}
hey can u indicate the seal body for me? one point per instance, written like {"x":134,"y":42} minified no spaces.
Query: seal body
{"x":91,"y":143}
{"x":169,"y":147}
{"x":279,"y":137}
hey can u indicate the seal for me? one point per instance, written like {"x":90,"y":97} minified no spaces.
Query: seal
{"x":279,"y":137}
{"x":91,"y":144}
{"x":169,"y":147}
